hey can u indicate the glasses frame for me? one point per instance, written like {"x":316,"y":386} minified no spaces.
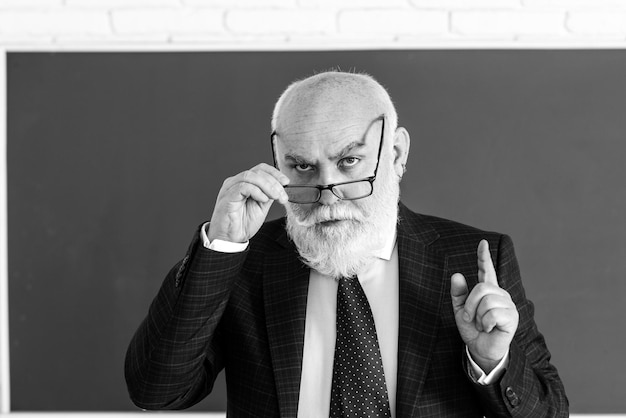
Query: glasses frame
{"x":331,"y":187}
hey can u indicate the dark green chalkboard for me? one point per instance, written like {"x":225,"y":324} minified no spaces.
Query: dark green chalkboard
{"x":115,"y":158}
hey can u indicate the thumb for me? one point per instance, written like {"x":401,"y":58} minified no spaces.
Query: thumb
{"x":458,"y":291}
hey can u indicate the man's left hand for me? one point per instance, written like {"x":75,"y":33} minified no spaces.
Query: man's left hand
{"x":486,"y":317}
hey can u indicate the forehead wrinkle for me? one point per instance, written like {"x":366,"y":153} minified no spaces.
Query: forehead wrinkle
{"x":317,"y":128}
{"x":312,"y":134}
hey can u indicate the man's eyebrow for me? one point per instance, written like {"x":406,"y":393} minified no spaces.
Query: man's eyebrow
{"x":347,"y":149}
{"x":298,"y":159}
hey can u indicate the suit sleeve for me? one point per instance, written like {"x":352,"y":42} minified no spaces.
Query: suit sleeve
{"x":174,"y":356}
{"x":530,"y":385}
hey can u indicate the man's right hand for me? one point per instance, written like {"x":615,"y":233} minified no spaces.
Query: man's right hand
{"x":244,"y":201}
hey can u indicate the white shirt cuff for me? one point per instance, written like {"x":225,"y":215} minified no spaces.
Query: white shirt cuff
{"x":221,"y":245}
{"x":487,"y":379}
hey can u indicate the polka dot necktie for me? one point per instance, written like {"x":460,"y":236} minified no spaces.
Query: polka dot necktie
{"x":358,"y":388}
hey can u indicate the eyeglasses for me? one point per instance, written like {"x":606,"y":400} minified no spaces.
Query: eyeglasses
{"x":347,"y":190}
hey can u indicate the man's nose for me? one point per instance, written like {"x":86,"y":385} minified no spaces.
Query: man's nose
{"x":327,"y":197}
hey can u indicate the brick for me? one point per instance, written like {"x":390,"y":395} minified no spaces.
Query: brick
{"x":168,"y":21}
{"x":224,"y":40}
{"x":112,"y":39}
{"x":20,"y":4}
{"x":236,"y":4}
{"x":280,"y":21}
{"x":597,"y":22}
{"x":465,"y":4}
{"x":342,"y":41}
{"x":340,"y":4}
{"x":572,"y":40}
{"x":53,"y":22}
{"x":393,"y":21}
{"x":507,"y":22}
{"x":121,"y":3}
{"x":455,"y":40}
{"x":12,"y":39}
{"x":570,"y":4}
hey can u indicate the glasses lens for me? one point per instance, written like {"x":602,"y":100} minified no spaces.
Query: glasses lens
{"x":302,"y":194}
{"x":351,"y":191}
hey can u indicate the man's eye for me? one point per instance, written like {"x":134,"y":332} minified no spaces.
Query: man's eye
{"x":303,"y":167}
{"x":350,"y":161}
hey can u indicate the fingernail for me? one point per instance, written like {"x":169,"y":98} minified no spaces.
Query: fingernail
{"x":466,"y":317}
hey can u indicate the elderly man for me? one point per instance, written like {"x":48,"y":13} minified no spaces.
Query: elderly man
{"x":352,"y":305}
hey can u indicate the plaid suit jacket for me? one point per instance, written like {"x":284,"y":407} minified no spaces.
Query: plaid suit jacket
{"x":245,"y":312}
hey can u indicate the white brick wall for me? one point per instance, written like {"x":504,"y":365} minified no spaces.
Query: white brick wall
{"x":598,"y":22}
{"x":167,"y":21}
{"x":394,"y":22}
{"x":53,"y":21}
{"x":508,"y":22}
{"x":280,"y":21}
{"x":304,"y":23}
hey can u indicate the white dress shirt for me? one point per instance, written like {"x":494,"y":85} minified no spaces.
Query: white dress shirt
{"x":380,"y":283}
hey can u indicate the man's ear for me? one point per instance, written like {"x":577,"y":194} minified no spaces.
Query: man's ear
{"x":401,"y":145}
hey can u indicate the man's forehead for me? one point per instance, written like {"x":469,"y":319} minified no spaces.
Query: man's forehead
{"x":330,"y":138}
{"x":306,"y":148}
{"x":318,"y":128}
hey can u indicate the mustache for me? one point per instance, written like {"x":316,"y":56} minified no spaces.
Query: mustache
{"x":326,"y":214}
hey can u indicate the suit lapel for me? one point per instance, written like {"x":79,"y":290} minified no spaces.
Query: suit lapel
{"x":421,"y":291}
{"x":285,"y":287}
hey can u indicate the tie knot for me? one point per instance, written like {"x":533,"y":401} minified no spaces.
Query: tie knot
{"x":348,"y":280}
{"x":350,"y":285}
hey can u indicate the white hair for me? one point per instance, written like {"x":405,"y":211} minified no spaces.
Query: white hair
{"x":334,"y":79}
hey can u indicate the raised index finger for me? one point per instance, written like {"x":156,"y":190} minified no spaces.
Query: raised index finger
{"x":486,"y":270}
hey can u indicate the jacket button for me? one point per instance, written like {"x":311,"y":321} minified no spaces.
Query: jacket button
{"x":512,"y":396}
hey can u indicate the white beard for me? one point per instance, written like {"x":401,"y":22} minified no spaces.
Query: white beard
{"x":348,"y":246}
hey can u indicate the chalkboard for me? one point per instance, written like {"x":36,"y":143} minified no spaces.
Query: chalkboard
{"x":115,"y":158}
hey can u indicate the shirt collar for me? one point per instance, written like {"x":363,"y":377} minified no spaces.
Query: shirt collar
{"x":385,"y":252}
